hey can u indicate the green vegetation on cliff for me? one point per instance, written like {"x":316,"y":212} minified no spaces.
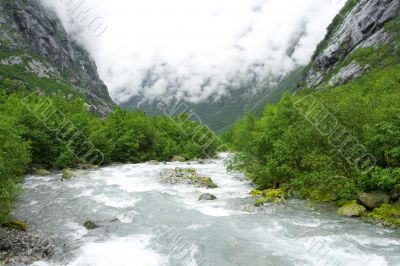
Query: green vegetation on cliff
{"x":288,"y":146}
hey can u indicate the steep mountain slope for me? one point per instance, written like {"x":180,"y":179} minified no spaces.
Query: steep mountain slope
{"x":37,"y":52}
{"x":221,"y":114}
{"x":364,"y":36}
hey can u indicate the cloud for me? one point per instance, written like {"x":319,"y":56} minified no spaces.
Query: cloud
{"x":194,"y":49}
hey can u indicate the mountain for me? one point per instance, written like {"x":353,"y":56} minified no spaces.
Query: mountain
{"x":364,"y":36}
{"x":37,"y":52}
{"x":220,"y":114}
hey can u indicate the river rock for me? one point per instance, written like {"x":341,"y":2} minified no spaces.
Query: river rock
{"x":40,"y":172}
{"x":374,"y":199}
{"x":178,"y":158}
{"x":67,"y":174}
{"x":207,"y":196}
{"x":274,"y":196}
{"x":153,"y":162}
{"x":23,"y":248}
{"x":87,"y":167}
{"x":91,"y":225}
{"x":395,"y":194}
{"x":352,"y":209}
{"x":186,"y":176}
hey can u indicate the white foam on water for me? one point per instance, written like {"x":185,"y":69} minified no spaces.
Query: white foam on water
{"x":86,"y":193}
{"x":119,"y":203}
{"x":76,"y":231}
{"x":374,"y":241}
{"x":126,"y":251}
{"x":332,"y":250}
{"x":127,"y":218}
{"x":195,"y":227}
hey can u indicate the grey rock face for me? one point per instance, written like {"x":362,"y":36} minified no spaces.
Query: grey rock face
{"x":29,"y":27}
{"x":362,"y":27}
{"x":348,"y":73}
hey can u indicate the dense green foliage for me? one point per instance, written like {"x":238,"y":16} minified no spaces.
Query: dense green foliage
{"x":57,"y":132}
{"x":287,"y":146}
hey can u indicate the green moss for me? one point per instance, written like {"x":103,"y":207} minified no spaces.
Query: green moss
{"x":192,"y":170}
{"x":342,"y":203}
{"x":261,"y":201}
{"x":207,"y":182}
{"x":274,"y":196}
{"x":351,"y":209}
{"x":389,"y":214}
{"x":274,"y":193}
{"x":256,"y":193}
{"x":16,"y":225}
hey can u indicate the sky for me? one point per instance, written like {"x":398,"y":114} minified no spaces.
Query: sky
{"x":194,"y":49}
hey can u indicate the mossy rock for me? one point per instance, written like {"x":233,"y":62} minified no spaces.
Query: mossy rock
{"x":16,"y":225}
{"x":67,"y":174}
{"x":388,"y":213}
{"x":87,"y":167}
{"x":178,"y":158}
{"x":261,"y":201}
{"x":192,"y":171}
{"x":274,"y":196}
{"x":206,"y":182}
{"x":274,"y":193}
{"x":373,"y":200}
{"x":351,"y":209}
{"x":41,"y":172}
{"x":89,"y":225}
{"x":319,"y":196}
{"x":256,"y":193}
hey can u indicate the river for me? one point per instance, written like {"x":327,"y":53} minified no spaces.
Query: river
{"x":161,"y":224}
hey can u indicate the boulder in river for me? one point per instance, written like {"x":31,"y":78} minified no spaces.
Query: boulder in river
{"x":23,"y":248}
{"x":186,"y":176}
{"x":40,"y":172}
{"x":67,"y":174}
{"x":153,"y":162}
{"x":352,"y":209}
{"x":274,"y":196}
{"x":207,"y":196}
{"x":374,"y":199}
{"x":91,"y":225}
{"x":178,"y":158}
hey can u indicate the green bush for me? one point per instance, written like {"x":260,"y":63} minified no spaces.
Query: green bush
{"x":284,"y":148}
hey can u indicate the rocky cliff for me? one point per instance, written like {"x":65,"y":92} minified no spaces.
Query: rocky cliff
{"x":33,"y":42}
{"x":361,"y":37}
